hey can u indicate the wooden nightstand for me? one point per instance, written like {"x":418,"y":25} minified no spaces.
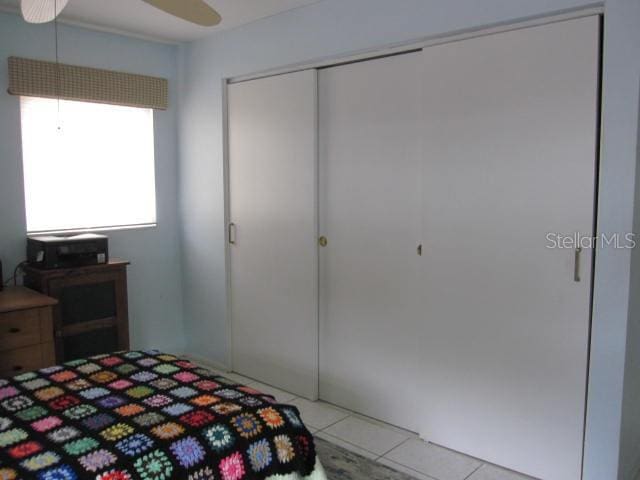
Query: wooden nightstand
{"x":26,"y":331}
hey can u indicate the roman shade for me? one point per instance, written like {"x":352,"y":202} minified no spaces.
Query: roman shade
{"x":37,"y":78}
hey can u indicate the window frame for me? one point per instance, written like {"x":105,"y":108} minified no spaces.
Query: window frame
{"x":153,"y":209}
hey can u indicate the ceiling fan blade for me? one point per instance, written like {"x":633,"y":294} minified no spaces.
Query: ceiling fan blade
{"x":194,"y":11}
{"x":41,"y":11}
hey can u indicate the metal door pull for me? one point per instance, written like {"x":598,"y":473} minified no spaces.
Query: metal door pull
{"x":576,"y":264}
{"x":232,"y":233}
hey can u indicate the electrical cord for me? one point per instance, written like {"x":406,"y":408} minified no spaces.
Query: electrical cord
{"x":14,"y":278}
{"x":15,"y":272}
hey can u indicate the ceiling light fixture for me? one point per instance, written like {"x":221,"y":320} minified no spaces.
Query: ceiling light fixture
{"x":194,"y":11}
{"x":41,"y":11}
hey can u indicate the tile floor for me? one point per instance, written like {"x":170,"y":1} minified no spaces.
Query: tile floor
{"x":392,"y":446}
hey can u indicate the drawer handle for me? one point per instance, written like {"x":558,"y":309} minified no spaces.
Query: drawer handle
{"x":14,"y":330}
{"x":17,"y":368}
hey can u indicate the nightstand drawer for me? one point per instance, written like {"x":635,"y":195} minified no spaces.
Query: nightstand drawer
{"x":20,"y":360}
{"x":20,"y":329}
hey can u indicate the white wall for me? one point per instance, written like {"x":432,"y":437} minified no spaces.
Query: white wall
{"x":336,"y":27}
{"x":155,"y":290}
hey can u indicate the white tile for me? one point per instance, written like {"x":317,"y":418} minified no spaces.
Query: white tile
{"x":365,"y":434}
{"x":491,"y":472}
{"x":280,"y":395}
{"x":403,"y":469}
{"x":346,"y":445}
{"x":318,"y":414}
{"x":432,"y":460}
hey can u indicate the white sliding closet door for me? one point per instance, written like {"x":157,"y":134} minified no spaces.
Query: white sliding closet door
{"x":370,"y":213}
{"x":273,"y":205}
{"x":510,"y":156}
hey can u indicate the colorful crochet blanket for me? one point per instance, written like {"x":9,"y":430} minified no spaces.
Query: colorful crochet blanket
{"x":150,"y":416}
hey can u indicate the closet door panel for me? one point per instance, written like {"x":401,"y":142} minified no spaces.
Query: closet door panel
{"x":369,"y":207}
{"x":509,"y":156}
{"x":273,"y":205}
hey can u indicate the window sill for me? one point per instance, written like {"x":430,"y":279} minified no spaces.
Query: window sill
{"x":77,"y":231}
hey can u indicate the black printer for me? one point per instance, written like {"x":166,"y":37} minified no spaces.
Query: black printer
{"x":51,"y":251}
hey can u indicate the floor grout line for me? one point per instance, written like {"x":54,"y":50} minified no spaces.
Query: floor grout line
{"x":392,"y":449}
{"x":331,"y":425}
{"x":410,"y":468}
{"x":472,"y":473}
{"x":352,"y":414}
{"x":351,"y":443}
{"x":378,"y":456}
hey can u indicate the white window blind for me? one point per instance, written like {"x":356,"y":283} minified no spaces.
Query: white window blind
{"x":87,"y":165}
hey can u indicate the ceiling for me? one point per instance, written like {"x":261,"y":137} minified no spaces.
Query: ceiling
{"x":137,"y":18}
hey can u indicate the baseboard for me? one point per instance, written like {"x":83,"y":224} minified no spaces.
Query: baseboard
{"x":205,"y":362}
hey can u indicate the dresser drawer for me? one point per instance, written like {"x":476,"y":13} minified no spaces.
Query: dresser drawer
{"x":20,"y":328}
{"x":20,"y":360}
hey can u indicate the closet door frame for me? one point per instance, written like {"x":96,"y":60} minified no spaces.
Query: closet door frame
{"x":369,"y":54}
{"x":226,"y":82}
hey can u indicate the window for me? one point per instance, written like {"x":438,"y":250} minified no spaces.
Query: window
{"x":87,"y":165}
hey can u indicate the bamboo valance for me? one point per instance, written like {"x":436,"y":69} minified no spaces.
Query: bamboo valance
{"x":36,"y":78}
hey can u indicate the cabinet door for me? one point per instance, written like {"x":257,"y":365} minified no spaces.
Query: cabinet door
{"x":369,"y":208}
{"x":509,"y":156}
{"x":272,"y":179}
{"x":92,"y":314}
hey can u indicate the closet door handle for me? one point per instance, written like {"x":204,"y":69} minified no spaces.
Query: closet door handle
{"x":576,"y":264}
{"x":232,"y":233}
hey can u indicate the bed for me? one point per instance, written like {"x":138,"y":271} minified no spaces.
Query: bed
{"x":151,"y":416}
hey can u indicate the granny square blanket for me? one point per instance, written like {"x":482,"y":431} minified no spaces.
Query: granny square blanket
{"x":145,"y":415}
